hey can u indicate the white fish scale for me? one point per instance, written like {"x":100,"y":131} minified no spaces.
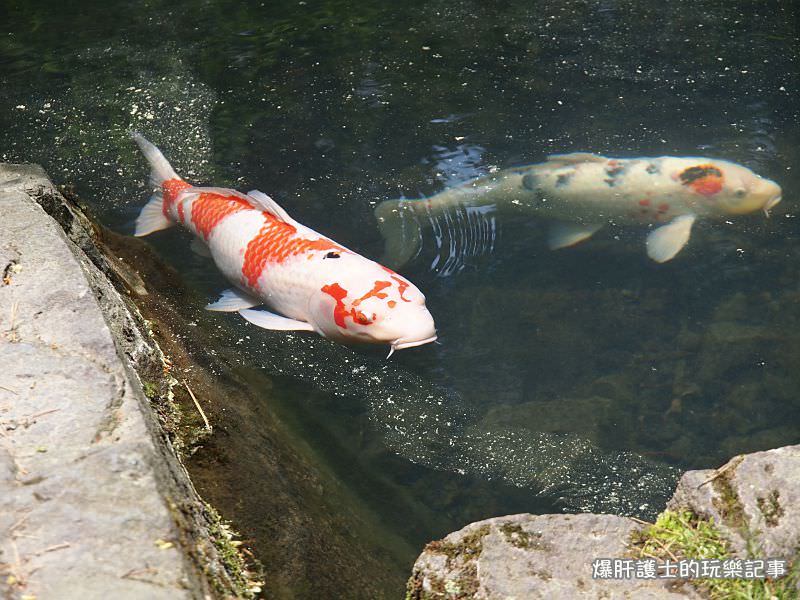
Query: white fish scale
{"x":186,"y":202}
{"x":306,"y":277}
{"x":284,"y":286}
{"x":288,"y":285}
{"x":229,"y":239}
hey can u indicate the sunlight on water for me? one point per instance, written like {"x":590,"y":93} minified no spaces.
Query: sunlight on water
{"x":82,"y":133}
{"x":435,"y":427}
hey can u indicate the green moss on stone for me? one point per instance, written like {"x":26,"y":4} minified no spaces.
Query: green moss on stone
{"x":150,"y":389}
{"x":516,"y":535}
{"x":247,"y":582}
{"x":461,"y":581}
{"x":728,"y":503}
{"x":684,"y":535}
{"x":771,"y":508}
{"x":683,"y":531}
{"x":469,"y":547}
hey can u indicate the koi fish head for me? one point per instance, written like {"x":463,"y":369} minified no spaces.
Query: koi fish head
{"x":736,"y":190}
{"x":362,"y":301}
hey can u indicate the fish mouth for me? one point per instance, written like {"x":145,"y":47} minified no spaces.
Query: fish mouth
{"x":399,"y":344}
{"x":402,"y":345}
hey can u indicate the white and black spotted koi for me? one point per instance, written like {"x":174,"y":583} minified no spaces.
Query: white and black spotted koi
{"x":581,"y":192}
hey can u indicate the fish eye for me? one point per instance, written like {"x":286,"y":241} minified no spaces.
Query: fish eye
{"x":332,"y":255}
{"x":740,"y":193}
{"x":363,"y":319}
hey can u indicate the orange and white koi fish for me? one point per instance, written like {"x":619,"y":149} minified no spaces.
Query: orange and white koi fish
{"x":311,"y":282}
{"x":581,"y":192}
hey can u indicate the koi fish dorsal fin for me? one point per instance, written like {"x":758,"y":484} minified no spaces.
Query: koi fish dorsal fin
{"x":227,"y":192}
{"x":264,"y":202}
{"x":576,"y":157}
{"x":256,"y":199}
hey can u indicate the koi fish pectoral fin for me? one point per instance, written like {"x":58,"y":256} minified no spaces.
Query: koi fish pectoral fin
{"x":232,"y":300}
{"x":666,"y":241}
{"x":561,"y":234}
{"x":268,"y":320}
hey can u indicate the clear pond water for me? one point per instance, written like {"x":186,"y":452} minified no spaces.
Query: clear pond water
{"x":583,"y":379}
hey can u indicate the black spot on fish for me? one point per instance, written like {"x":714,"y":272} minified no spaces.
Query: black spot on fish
{"x":564,"y":179}
{"x":529,"y":182}
{"x":613,"y":170}
{"x":653,"y":169}
{"x":332,"y":255}
{"x":694,"y":173}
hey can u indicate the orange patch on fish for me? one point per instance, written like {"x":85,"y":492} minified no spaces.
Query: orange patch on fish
{"x":274,"y":243}
{"x":375,"y":292}
{"x":338,"y":293}
{"x":705,"y":180}
{"x":341,"y":312}
{"x":402,"y":285}
{"x":171,"y":188}
{"x":209,"y":209}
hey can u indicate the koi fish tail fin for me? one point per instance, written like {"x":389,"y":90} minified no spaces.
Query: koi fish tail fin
{"x":153,"y":217}
{"x":400,"y":228}
{"x":162,"y":171}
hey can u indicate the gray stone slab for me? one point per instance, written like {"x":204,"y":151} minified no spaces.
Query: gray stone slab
{"x":754,"y":499}
{"x":524,"y":557}
{"x":83,"y":509}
